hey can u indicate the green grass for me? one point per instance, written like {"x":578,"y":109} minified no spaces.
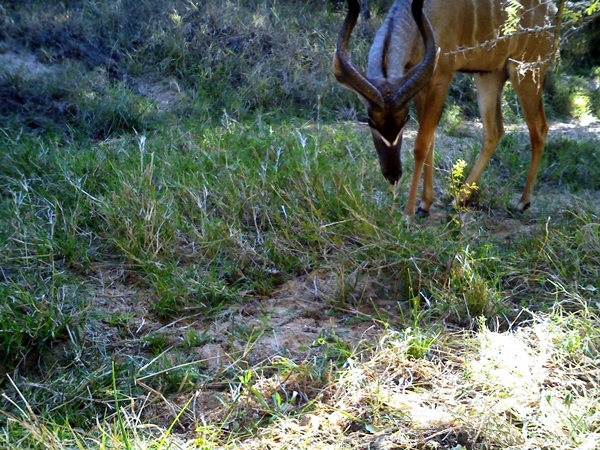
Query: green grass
{"x":231,"y":270}
{"x":201,"y":219}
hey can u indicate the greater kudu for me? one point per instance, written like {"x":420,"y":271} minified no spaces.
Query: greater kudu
{"x":416,"y":53}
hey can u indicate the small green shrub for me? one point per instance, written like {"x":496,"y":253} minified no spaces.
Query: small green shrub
{"x":571,"y":163}
{"x":572,"y":96}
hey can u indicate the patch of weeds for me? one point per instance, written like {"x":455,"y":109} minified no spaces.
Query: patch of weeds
{"x":112,"y":111}
{"x":69,"y":103}
{"x":77,"y":389}
{"x":507,"y":170}
{"x":139,"y":212}
{"x":411,"y":285}
{"x":120,"y":319}
{"x":207,"y":435}
{"x":458,"y":190}
{"x":249,"y":334}
{"x":194,"y":338}
{"x":38,"y":297}
{"x":170,"y":372}
{"x":577,"y":336}
{"x":34,"y":102}
{"x":419,"y":342}
{"x":571,"y":253}
{"x":281,"y":391}
{"x":156,"y":342}
{"x":87,"y":32}
{"x":472,"y":294}
{"x":256,"y":49}
{"x":34,"y":314}
{"x":188,"y":288}
{"x":45,"y":186}
{"x":178,"y":379}
{"x":333,"y":347}
{"x":271,"y":407}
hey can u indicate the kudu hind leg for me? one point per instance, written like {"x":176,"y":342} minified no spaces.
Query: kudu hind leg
{"x":489,"y":98}
{"x":529,"y":89}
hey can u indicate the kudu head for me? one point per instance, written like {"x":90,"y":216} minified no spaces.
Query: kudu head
{"x":386,"y":100}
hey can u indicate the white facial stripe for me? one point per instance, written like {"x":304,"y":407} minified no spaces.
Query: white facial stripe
{"x":385,"y":141}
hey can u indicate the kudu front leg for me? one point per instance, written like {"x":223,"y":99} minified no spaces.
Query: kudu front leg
{"x":429,"y":104}
{"x":423,"y":154}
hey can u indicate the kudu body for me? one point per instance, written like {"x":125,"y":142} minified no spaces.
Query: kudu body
{"x":415,"y":55}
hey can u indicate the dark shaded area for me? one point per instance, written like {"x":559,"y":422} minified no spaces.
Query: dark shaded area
{"x":244,"y":59}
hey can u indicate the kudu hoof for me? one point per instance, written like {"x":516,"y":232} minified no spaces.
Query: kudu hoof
{"x":525,"y":207}
{"x":421,"y":213}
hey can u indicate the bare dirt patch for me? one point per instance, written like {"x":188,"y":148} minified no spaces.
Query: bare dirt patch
{"x":287,"y":324}
{"x":166,"y":95}
{"x":23,"y":64}
{"x":300,"y":322}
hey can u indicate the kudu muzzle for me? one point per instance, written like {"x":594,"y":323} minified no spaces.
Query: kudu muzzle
{"x":389,"y":157}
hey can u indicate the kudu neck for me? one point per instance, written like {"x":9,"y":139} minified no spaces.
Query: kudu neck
{"x":391,"y":48}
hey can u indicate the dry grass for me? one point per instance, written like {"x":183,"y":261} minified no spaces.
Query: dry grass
{"x":536,"y":387}
{"x":486,"y":390}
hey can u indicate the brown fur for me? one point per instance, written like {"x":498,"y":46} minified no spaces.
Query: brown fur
{"x":470,"y":35}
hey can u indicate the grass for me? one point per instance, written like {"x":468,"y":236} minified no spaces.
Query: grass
{"x":196,"y":251}
{"x":194,"y":230}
